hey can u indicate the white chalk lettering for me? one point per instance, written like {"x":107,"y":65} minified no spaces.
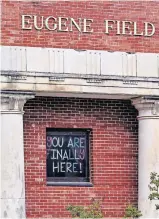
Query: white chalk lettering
{"x":76,"y":142}
{"x":66,"y":167}
{"x":70,"y":142}
{"x":59,"y":154}
{"x":62,"y":167}
{"x":75,"y":167}
{"x":65,"y":155}
{"x":57,"y":141}
{"x":80,"y":168}
{"x":82,"y":142}
{"x":55,"y":167}
{"x":79,"y":142}
{"x":82,"y":154}
{"x":53,"y":154}
{"x":70,"y":154}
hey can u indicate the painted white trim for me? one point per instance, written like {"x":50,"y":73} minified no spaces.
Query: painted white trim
{"x":84,"y":62}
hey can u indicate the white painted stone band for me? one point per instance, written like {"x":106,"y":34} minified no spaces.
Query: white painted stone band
{"x":84,"y":62}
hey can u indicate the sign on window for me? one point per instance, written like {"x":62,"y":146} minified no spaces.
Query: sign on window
{"x":67,"y":155}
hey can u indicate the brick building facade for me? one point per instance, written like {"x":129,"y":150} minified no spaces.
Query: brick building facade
{"x":113,"y":154}
{"x":136,"y":11}
{"x":55,"y":67}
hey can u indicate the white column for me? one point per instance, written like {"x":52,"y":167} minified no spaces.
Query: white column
{"x":148,"y":109}
{"x":12,"y":155}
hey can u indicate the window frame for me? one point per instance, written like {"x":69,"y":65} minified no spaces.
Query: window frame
{"x":71,"y":181}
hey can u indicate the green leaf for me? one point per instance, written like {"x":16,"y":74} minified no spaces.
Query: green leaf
{"x":154,"y":186}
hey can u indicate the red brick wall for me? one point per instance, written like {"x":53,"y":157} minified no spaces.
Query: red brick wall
{"x":113,"y":154}
{"x":139,"y":11}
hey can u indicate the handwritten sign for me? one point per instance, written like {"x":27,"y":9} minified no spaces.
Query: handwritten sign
{"x":67,"y":154}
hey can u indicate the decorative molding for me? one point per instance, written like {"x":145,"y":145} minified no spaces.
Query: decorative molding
{"x":13,"y":102}
{"x":148,"y":107}
{"x":123,"y":79}
{"x":59,"y":79}
{"x":94,"y":80}
{"x":130,"y":82}
{"x":17,"y":77}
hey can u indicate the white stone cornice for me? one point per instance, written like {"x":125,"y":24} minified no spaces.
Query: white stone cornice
{"x":81,"y":72}
{"x":13,"y":102}
{"x":71,"y":61}
{"x":148,"y":107}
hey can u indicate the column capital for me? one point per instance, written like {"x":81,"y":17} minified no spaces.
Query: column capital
{"x":13,"y":102}
{"x":147,"y":106}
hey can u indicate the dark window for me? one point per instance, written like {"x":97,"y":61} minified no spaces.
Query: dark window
{"x":67,"y":156}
